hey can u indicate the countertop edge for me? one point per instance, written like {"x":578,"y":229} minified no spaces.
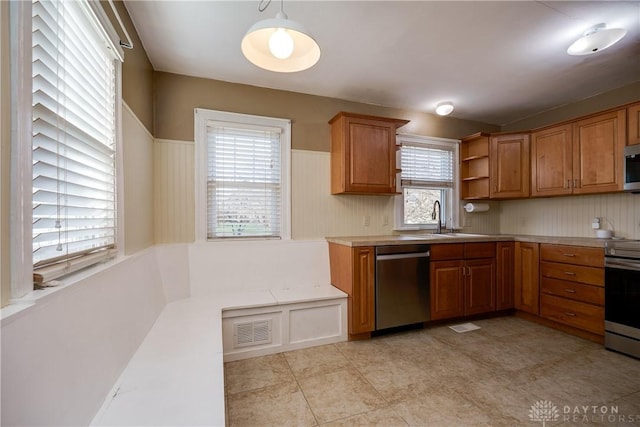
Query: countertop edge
{"x":359,"y":241}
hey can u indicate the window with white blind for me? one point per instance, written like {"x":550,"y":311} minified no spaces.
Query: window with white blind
{"x":243,"y":176}
{"x":429,"y":174}
{"x":74,"y":93}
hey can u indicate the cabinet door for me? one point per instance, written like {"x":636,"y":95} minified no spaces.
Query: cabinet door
{"x":551,"y":159}
{"x":480,"y":286}
{"x":510,"y":164}
{"x":447,"y":293}
{"x":633,"y":124}
{"x":505,"y":259}
{"x":598,"y":150}
{"x":362,"y":301}
{"x":371,"y":156}
{"x":527,"y":270}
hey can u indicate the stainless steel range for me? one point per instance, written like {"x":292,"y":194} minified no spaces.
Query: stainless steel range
{"x":622,"y":296}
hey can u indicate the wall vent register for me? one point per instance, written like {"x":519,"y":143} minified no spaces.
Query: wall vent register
{"x":247,"y":334}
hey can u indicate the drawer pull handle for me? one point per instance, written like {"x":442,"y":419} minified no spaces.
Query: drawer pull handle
{"x":570,"y":314}
{"x":569,"y":254}
{"x":571,"y":291}
{"x":569,"y":273}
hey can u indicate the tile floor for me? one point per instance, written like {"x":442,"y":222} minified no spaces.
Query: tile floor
{"x":493,"y":376}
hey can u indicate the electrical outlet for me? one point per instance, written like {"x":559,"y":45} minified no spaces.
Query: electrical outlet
{"x":595,"y":224}
{"x":385,"y":220}
{"x":366,"y":220}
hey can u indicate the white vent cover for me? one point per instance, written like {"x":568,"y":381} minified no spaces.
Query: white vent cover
{"x":248,"y":334}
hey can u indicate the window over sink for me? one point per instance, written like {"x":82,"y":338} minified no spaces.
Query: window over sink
{"x":429,"y":173}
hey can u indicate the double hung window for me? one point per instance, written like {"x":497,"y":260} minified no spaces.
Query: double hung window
{"x":73,"y":58}
{"x":243,"y":174}
{"x":429,"y":174}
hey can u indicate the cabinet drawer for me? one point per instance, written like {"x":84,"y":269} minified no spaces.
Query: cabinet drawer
{"x":573,"y":273}
{"x":447,"y":251}
{"x":480,"y":250}
{"x":575,"y":291}
{"x":591,"y":257}
{"x":573,"y":313}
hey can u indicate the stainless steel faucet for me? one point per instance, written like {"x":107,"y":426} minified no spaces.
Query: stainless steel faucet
{"x":439,"y":213}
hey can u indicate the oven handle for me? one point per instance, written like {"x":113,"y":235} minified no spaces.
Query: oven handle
{"x":623,"y":264}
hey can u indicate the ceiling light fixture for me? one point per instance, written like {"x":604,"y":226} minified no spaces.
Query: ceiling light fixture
{"x":595,"y":39}
{"x":280,"y":44}
{"x":444,"y":108}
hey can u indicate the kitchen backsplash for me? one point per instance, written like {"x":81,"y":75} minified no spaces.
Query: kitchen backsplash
{"x":572,"y":216}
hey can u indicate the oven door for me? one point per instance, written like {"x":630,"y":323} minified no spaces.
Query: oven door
{"x":622,"y":292}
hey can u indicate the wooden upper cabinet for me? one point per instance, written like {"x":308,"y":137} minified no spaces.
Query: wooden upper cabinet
{"x":633,"y":124}
{"x":474,"y":166}
{"x":363,"y":154}
{"x":581,"y":157}
{"x":598,"y":150}
{"x":551,"y":161}
{"x":510,"y":174}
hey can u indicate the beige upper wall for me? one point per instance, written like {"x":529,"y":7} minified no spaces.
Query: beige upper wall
{"x":137,"y":71}
{"x":178,"y":95}
{"x":594,"y":104}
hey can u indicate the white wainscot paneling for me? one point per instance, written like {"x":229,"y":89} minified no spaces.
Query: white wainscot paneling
{"x":316,"y":213}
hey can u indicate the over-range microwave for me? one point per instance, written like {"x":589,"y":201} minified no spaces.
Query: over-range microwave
{"x":632,"y":168}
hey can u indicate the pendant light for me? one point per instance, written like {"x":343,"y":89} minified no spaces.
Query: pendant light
{"x":280,"y":44}
{"x":595,"y":39}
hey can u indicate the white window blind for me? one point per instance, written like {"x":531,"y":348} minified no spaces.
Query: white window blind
{"x":426,"y":165}
{"x":74,"y":133}
{"x":244,"y":181}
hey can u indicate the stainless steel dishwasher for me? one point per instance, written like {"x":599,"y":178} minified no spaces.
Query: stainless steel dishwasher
{"x":402,"y":285}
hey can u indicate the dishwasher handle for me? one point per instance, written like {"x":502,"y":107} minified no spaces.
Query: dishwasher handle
{"x":403,"y":256}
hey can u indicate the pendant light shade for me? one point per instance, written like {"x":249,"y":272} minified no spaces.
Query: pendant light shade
{"x":280,"y":45}
{"x":595,"y":39}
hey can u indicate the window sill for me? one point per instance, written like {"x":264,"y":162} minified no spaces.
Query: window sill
{"x":21,"y":306}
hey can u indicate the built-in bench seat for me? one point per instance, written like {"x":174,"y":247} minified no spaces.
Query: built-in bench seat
{"x":176,"y":376}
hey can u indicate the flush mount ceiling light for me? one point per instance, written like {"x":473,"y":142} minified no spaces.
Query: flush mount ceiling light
{"x":444,"y":108}
{"x":595,"y":39}
{"x":280,"y":44}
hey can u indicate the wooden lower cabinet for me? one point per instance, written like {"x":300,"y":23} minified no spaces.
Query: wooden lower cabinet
{"x":572,"y":286}
{"x":526,"y":283}
{"x":505,"y":275}
{"x":462,"y":287}
{"x":353,"y":272}
{"x":447,"y":289}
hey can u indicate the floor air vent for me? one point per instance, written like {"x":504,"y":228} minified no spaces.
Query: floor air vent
{"x":253,"y":333}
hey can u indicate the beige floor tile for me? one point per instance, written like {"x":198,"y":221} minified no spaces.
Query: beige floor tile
{"x":383,"y":417}
{"x":441,"y":409}
{"x":391,"y":379}
{"x":315,"y":361}
{"x":340,"y":394}
{"x":255,"y":373}
{"x":279,"y":405}
{"x":366,"y":352}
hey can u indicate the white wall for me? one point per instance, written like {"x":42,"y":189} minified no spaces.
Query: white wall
{"x":257,"y":265}
{"x":61,"y":356}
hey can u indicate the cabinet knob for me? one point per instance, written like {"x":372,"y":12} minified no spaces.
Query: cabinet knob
{"x":569,"y":255}
{"x":571,"y":291}
{"x":570,"y":314}
{"x":569,"y":273}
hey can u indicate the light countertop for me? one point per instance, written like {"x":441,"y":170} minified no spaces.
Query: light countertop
{"x":426,"y":238}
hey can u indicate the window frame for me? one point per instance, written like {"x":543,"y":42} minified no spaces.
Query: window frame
{"x":451,"y":205}
{"x":202,"y":117}
{"x":21,"y":216}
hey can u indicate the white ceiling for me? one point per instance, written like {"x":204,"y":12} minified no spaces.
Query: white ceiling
{"x":497,"y":61}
